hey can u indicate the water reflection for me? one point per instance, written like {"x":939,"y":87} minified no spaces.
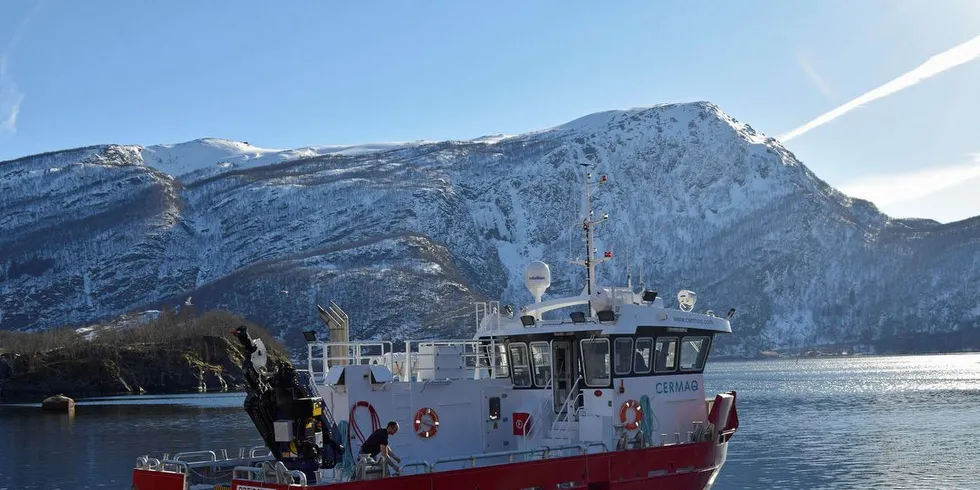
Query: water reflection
{"x":844,"y":423}
{"x":891,"y":422}
{"x":97,"y":447}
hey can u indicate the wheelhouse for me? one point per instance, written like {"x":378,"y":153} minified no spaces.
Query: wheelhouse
{"x":533,"y":361}
{"x":586,"y":353}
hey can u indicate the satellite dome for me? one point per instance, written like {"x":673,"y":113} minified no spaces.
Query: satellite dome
{"x":537,"y":279}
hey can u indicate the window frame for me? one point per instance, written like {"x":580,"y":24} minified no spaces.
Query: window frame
{"x":702,"y":358}
{"x":503,"y":370}
{"x":650,"y":354}
{"x":616,"y":357}
{"x":666,"y":339}
{"x":533,"y":365}
{"x":513,"y":365}
{"x":585,"y":365}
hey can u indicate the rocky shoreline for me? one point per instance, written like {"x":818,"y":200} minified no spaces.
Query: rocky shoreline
{"x":198,"y":359}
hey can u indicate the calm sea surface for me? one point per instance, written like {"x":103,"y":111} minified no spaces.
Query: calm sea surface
{"x":842,"y":423}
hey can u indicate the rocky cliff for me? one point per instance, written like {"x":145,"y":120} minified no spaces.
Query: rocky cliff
{"x":107,"y":362}
{"x":406,"y":236}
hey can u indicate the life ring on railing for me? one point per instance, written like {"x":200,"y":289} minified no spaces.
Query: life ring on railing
{"x":627,"y":405}
{"x":426,"y":428}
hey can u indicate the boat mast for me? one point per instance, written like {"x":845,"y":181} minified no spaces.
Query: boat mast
{"x":587,"y":224}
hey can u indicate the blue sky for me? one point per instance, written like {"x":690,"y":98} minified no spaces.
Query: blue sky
{"x":291,"y":74}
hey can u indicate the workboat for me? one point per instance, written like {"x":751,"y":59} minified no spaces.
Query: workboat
{"x":600,"y":390}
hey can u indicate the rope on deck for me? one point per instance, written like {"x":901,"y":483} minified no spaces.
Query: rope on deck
{"x":346,"y":464}
{"x":649,"y":423}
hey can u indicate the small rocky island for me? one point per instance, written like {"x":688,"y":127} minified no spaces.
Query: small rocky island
{"x":174,"y":353}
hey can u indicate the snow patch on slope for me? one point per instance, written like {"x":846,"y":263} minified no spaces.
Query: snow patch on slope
{"x":209,"y":153}
{"x":207,"y":157}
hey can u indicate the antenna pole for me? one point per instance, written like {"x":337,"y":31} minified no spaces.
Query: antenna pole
{"x":587,"y":224}
{"x":629,"y":282}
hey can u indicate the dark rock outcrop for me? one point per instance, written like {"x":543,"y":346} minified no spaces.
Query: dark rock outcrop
{"x":58,"y":403}
{"x":202,"y":364}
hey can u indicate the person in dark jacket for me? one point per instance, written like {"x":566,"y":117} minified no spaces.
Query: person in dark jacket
{"x":377,"y":443}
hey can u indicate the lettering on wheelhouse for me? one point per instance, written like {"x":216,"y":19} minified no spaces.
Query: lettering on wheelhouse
{"x":688,"y":319}
{"x":680,"y":386}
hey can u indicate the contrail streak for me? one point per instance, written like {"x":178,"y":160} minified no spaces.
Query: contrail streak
{"x":939,"y":63}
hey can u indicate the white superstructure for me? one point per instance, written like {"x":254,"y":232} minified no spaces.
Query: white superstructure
{"x":618,"y":369}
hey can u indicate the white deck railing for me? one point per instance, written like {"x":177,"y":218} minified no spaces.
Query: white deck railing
{"x":421,"y":357}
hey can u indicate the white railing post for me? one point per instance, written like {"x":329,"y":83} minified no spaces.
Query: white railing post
{"x":407,"y":375}
{"x":537,"y":413}
{"x":565,"y":416}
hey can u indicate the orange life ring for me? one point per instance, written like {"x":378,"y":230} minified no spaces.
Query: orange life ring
{"x":426,"y":429}
{"x":635,"y":405}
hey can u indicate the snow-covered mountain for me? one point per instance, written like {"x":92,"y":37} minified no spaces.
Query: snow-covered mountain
{"x":406,"y":236}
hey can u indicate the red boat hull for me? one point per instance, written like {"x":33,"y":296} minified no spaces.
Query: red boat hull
{"x":684,"y":466}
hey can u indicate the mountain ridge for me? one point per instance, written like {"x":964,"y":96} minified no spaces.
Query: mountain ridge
{"x":696,"y":199}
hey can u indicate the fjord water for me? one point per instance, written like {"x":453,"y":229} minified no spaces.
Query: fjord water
{"x":830,"y":423}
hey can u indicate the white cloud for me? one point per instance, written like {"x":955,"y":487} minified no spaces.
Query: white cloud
{"x":923,"y":193}
{"x":939,"y":63}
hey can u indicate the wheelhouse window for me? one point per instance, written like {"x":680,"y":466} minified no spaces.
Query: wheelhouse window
{"x":624,"y":355}
{"x":520,"y":371}
{"x":641,"y":359}
{"x":665,"y":355}
{"x":541,"y":360}
{"x":694,"y":350}
{"x":595,"y":356}
{"x":500,"y":361}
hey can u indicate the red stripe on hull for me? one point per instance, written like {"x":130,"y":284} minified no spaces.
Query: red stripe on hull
{"x":681,"y":467}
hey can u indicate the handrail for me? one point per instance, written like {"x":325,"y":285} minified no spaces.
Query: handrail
{"x":195,"y":459}
{"x":162,"y":466}
{"x":351,"y":352}
{"x":473,"y":458}
{"x":260,"y":474}
{"x":566,"y":410}
{"x":603,"y":445}
{"x":485,"y":310}
{"x":321,"y":354}
{"x":300,"y":477}
{"x":178,"y":466}
{"x":538,"y":413}
{"x":214,"y":457}
{"x":470,"y":354}
{"x":252,"y":451}
{"x":282,"y":474}
{"x":424,"y":464}
{"x":148,"y":463}
{"x":545,"y":452}
{"x":248,"y":473}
